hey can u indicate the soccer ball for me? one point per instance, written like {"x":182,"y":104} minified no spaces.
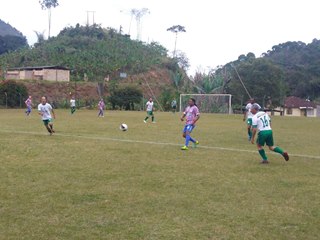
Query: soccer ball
{"x":123,"y":127}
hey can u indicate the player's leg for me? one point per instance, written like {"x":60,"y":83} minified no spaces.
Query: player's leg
{"x":147,"y":117}
{"x":276,"y":149}
{"x":152,"y":117}
{"x":249,"y":128}
{"x":260,"y":143}
{"x":46,"y":124}
{"x":187,"y":131}
{"x":51,"y":125}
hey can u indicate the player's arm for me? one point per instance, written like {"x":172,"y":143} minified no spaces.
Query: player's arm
{"x":245,"y":114}
{"x":39,"y":111}
{"x":183,"y":116}
{"x":196,"y":119}
{"x":254,"y":132}
{"x":53,"y":114}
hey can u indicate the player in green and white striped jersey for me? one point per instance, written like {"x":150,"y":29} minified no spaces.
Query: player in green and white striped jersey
{"x":261,"y":123}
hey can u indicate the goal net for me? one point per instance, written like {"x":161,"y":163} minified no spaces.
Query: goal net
{"x":208,"y":103}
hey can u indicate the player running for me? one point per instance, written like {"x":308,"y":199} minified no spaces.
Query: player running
{"x":72,"y":105}
{"x":101,"y":106}
{"x":261,"y":122}
{"x":150,"y":109}
{"x":192,"y":115}
{"x":45,"y":110}
{"x":28,"y":103}
{"x":247,"y":116}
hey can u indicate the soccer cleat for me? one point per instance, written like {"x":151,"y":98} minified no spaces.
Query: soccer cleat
{"x":264,"y":162}
{"x":195,"y":144}
{"x":286,"y":156}
{"x":153,"y":122}
{"x":144,"y":121}
{"x":184,"y":148}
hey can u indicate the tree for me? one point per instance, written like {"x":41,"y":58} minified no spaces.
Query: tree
{"x":12,"y":93}
{"x":47,"y":5}
{"x":176,"y":29}
{"x":40,"y":37}
{"x":125,"y":98}
{"x":263,"y":79}
{"x":10,"y":43}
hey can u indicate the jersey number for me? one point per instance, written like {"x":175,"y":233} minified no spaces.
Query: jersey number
{"x":265,"y":121}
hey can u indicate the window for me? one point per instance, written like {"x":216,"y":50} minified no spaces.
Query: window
{"x":289,"y":111}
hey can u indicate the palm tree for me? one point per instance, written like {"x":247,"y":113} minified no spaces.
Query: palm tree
{"x":48,"y":4}
{"x":176,"y":29}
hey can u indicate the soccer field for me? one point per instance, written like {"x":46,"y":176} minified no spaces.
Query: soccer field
{"x":92,"y":181}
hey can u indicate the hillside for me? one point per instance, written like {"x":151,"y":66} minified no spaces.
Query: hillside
{"x":10,"y":39}
{"x":7,"y":30}
{"x":95,"y":54}
{"x":87,"y":92}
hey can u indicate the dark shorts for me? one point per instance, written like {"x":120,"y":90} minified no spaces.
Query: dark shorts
{"x":47,"y":121}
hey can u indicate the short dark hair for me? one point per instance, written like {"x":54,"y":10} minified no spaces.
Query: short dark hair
{"x":255,"y":106}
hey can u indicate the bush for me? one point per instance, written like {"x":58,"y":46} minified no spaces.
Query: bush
{"x":12,"y":94}
{"x":125,"y":98}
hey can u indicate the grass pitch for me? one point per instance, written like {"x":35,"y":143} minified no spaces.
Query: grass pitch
{"x":92,"y":181}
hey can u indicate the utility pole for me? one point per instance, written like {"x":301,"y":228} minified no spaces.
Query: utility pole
{"x":88,"y":15}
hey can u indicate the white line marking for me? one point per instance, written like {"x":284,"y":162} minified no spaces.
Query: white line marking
{"x":152,"y":142}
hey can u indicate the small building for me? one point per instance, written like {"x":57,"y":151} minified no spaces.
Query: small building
{"x":50,"y":73}
{"x":295,"y":106}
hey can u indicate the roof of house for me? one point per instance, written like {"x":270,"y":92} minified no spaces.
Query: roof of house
{"x":295,"y":102}
{"x":39,"y":68}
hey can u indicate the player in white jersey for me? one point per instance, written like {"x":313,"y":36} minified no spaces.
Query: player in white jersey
{"x":149,"y":106}
{"x":72,"y":105}
{"x":261,"y":123}
{"x":45,"y":110}
{"x":247,"y":116}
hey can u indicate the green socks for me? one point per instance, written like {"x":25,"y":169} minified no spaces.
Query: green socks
{"x":263,"y":154}
{"x":278,"y":150}
{"x":249,"y":133}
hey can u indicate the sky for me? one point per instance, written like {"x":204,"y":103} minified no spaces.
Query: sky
{"x":217,"y":31}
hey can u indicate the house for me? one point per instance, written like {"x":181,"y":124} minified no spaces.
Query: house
{"x":294,"y":106}
{"x":50,"y":73}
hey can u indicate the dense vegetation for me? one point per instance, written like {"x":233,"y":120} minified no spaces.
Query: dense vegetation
{"x":289,"y":69}
{"x":12,"y":94}
{"x":93,"y":53}
{"x":10,"y":38}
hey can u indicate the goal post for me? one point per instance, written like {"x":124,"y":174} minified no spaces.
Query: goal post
{"x":208,"y":103}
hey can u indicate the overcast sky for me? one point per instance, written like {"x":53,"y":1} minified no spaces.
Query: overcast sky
{"x":217,"y":31}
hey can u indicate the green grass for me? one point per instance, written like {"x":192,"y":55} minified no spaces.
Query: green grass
{"x":92,"y":181}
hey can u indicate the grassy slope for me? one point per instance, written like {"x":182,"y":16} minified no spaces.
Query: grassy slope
{"x":83,"y":183}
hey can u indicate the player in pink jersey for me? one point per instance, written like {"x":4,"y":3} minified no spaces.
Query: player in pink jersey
{"x":101,"y":106}
{"x":28,"y":103}
{"x":192,"y":115}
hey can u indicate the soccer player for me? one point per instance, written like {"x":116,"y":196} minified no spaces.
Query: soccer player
{"x":261,"y":123}
{"x":247,"y":116}
{"x":45,"y":110}
{"x":73,"y":105}
{"x":28,"y":103}
{"x":149,"y":106}
{"x":192,"y":115}
{"x":101,"y":106}
{"x":174,"y":105}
